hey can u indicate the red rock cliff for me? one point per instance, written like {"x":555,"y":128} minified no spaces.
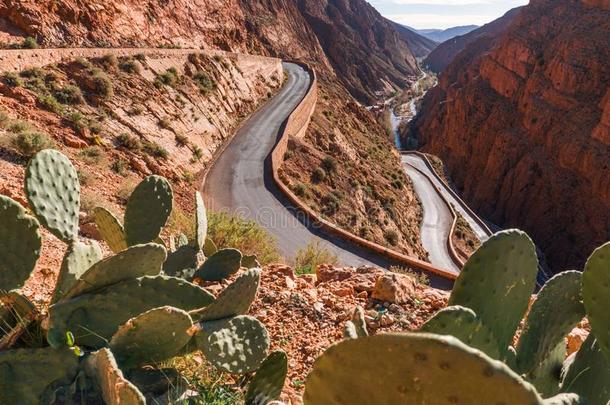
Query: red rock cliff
{"x":523,"y":123}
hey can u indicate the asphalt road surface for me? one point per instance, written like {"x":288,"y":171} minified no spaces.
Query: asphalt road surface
{"x":437,"y":221}
{"x":240,"y":182}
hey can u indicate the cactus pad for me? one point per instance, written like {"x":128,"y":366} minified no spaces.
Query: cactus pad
{"x":557,"y":309}
{"x":596,"y":295}
{"x":267,"y":384}
{"x":102,"y":368}
{"x":546,"y":375}
{"x":412,"y":368}
{"x":209,"y":247}
{"x":148,"y":209}
{"x":53,"y":191}
{"x":182,"y":262}
{"x":201,"y":223}
{"x":499,"y":279}
{"x":565,"y":399}
{"x":78,"y":259}
{"x":26,"y":374}
{"x":94,"y":318}
{"x":110,"y":229}
{"x":250,"y":261}
{"x":237,"y":345}
{"x":137,"y":261}
{"x":220,"y":265}
{"x":233,"y":300}
{"x":153,"y":336}
{"x":588,"y":375}
{"x":463,"y":324}
{"x":20,"y":244}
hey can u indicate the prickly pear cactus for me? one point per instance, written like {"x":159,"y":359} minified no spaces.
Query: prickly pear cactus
{"x":94,"y":318}
{"x":359,"y":322}
{"x":153,"y":336}
{"x":137,"y":261}
{"x":267,"y":384}
{"x":220,"y":265}
{"x":557,"y":309}
{"x":26,"y":375}
{"x":546,"y":375}
{"x":16,"y":313}
{"x":596,"y":295}
{"x":201,"y":223}
{"x":412,"y":368}
{"x":588,"y":373}
{"x":499,"y":279}
{"x":463,"y":324}
{"x":110,"y":229}
{"x":148,"y":209}
{"x":236,"y":345}
{"x":53,"y":191}
{"x":116,"y":389}
{"x":78,"y":259}
{"x":565,"y":399}
{"x":209,"y":247}
{"x":182,"y":262}
{"x":234,"y":300}
{"x":20,"y":244}
{"x":250,"y":261}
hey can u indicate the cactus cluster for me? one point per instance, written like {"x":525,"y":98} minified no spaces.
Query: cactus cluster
{"x":115,"y":314}
{"x":464,"y":353}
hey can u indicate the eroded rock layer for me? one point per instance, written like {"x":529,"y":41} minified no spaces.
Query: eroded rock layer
{"x":523,"y":124}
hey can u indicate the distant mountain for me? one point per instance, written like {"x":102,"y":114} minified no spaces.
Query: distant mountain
{"x":419,"y":44}
{"x":444,"y":54}
{"x":441,"y":36}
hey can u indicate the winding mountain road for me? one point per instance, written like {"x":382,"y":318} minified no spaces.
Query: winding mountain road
{"x":240,"y":182}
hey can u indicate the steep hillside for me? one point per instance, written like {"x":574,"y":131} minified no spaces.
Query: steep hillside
{"x":419,"y":44}
{"x":441,"y":36}
{"x":353,"y":48}
{"x":351,"y":36}
{"x":524,"y":127}
{"x":444,"y":54}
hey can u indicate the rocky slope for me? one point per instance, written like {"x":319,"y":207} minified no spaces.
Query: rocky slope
{"x":362,"y":46}
{"x":444,"y":54}
{"x":523,"y":124}
{"x":419,"y":44}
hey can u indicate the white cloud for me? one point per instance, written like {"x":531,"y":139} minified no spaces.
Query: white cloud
{"x":421,"y":21}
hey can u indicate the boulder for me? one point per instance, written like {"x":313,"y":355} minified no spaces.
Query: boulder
{"x":394,"y":288}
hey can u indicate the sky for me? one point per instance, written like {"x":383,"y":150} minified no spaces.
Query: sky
{"x":443,"y":14}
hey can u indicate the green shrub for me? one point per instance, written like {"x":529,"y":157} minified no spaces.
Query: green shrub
{"x":169,"y":78}
{"x":329,"y":164}
{"x":311,"y":256}
{"x":109,"y":62}
{"x":135,"y":110}
{"x":50,"y":103}
{"x":300,"y":189}
{"x":83,"y":63}
{"x":391,"y":236}
{"x":140,"y":56}
{"x":4,"y":119}
{"x":318,"y":175}
{"x":95,"y":127}
{"x":29,"y":43}
{"x":77,"y":121}
{"x":28,"y":143}
{"x":11,"y":79}
{"x":69,"y":94}
{"x":119,"y":166}
{"x":197,"y":153}
{"x":181,"y":140}
{"x":18,"y":126}
{"x":234,"y":231}
{"x":33,"y":73}
{"x":91,"y":154}
{"x":205,"y":83}
{"x":100,"y":83}
{"x":129,"y":142}
{"x":165,"y":123}
{"x":155,"y":150}
{"x":331,"y":203}
{"x":129,"y":65}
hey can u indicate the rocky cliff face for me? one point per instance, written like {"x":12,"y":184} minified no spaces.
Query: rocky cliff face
{"x":523,"y":124}
{"x":444,"y":54}
{"x":419,"y":45}
{"x":362,"y":47}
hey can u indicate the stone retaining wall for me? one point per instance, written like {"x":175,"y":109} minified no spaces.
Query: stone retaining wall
{"x":296,"y":125}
